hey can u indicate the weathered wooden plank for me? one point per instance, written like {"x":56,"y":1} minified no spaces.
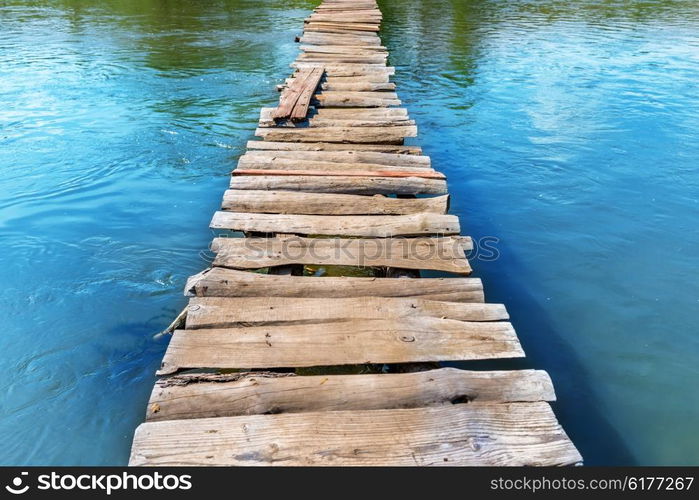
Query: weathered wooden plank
{"x":273,"y":165}
{"x":225,"y":312}
{"x":341,"y":184}
{"x":348,"y":69}
{"x":291,"y":94}
{"x":373,"y":78}
{"x":350,"y":95}
{"x":222,"y":282}
{"x":310,"y":84}
{"x":329,"y":146}
{"x":438,"y":254}
{"x":343,"y":49}
{"x":346,"y":113}
{"x":372,"y":226}
{"x":342,"y":27}
{"x":316,"y":119}
{"x":371,"y":135}
{"x":333,"y":170}
{"x":337,"y":343}
{"x":350,"y":17}
{"x":348,"y":99}
{"x":342,"y":58}
{"x":349,"y":20}
{"x":292,"y":202}
{"x":342,"y":157}
{"x":358,"y":86}
{"x":495,"y":434}
{"x":338,"y":39}
{"x":255,"y":393}
{"x":368,"y":8}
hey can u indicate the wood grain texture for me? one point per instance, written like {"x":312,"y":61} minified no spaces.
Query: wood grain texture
{"x":512,"y":434}
{"x":339,"y":39}
{"x":329,"y":26}
{"x":290,"y":95}
{"x":343,"y":49}
{"x":371,"y":135}
{"x":329,"y":117}
{"x":330,"y":99}
{"x":341,"y":184}
{"x":358,"y":86}
{"x":329,"y":146}
{"x":224,"y":312}
{"x":342,"y":58}
{"x":437,"y":254}
{"x":370,"y":226}
{"x":223,"y":282}
{"x":348,"y":69}
{"x":360,"y":341}
{"x":332,"y":170}
{"x":255,"y":157}
{"x":207,"y":395}
{"x":293,"y":202}
{"x":310,"y":84}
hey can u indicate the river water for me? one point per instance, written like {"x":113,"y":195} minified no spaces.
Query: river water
{"x":568,"y":131}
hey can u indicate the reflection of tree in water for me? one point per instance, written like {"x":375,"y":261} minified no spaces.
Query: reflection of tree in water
{"x":187,"y":36}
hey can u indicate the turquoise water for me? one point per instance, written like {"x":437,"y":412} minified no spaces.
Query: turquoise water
{"x":567,"y":130}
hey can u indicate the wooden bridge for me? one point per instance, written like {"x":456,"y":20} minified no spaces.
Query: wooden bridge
{"x":279,"y":363}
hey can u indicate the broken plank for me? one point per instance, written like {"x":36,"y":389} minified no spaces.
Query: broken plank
{"x":495,"y":434}
{"x":291,"y":94}
{"x":310,"y":84}
{"x":223,"y":282}
{"x":438,"y":254}
{"x":373,"y":226}
{"x":293,"y":202}
{"x":211,"y":395}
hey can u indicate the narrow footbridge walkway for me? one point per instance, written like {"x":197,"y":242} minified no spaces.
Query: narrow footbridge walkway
{"x":313,"y":340}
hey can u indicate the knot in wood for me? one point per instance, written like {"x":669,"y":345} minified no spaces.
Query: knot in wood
{"x":407,"y":338}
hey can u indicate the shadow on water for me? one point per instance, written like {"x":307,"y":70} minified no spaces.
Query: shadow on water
{"x":545,"y":349}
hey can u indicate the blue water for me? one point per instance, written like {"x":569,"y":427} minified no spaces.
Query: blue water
{"x":568,"y":131}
